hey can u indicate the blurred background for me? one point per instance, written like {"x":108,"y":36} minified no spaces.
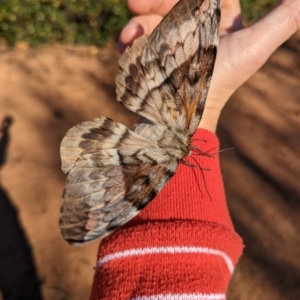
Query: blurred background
{"x":89,"y":22}
{"x":58,"y":63}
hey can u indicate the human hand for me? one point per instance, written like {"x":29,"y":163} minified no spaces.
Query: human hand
{"x":241,"y":52}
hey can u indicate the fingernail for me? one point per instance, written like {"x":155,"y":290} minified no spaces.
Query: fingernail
{"x":132,"y":26}
{"x":121,"y":47}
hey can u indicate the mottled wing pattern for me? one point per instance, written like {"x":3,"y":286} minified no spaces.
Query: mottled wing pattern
{"x":100,"y":134}
{"x":165,"y":77}
{"x":112,"y":174}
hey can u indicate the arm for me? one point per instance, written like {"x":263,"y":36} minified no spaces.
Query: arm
{"x":183,"y":243}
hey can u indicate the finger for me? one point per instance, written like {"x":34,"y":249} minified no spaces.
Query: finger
{"x":262,"y":38}
{"x":145,"y":7}
{"x":245,"y":51}
{"x":231,"y":19}
{"x":293,"y":6}
{"x":242,"y":53}
{"x":136,"y":27}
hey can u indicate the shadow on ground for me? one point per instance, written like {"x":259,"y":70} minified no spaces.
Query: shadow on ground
{"x":18,"y":277}
{"x":47,"y":91}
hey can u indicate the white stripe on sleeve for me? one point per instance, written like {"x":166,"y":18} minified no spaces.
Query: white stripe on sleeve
{"x":166,"y":250}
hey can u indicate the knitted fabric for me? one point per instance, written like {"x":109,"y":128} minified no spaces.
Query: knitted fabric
{"x":182,"y":245}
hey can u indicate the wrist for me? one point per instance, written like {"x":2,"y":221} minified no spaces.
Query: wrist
{"x":210,"y":119}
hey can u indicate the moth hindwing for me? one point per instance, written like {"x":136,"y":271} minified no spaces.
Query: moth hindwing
{"x":113,"y":172}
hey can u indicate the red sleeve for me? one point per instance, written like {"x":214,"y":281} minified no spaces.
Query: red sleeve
{"x":181,"y":246}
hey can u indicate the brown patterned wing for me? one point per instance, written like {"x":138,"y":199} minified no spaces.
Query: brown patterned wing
{"x":92,"y":136}
{"x":112,"y":174}
{"x":165,"y":77}
{"x":105,"y":198}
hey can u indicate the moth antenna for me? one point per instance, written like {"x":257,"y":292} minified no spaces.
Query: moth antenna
{"x":196,"y":149}
{"x":200,"y":152}
{"x":214,"y":153}
{"x":226,"y":149}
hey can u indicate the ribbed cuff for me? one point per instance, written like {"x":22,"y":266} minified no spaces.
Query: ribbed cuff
{"x":166,"y":258}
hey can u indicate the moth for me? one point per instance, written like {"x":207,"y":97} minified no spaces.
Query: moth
{"x":114,"y":172}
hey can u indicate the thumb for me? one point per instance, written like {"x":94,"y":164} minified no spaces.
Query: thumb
{"x":136,"y":27}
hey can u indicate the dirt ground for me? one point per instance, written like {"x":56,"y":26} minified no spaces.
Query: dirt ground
{"x":44,"y":92}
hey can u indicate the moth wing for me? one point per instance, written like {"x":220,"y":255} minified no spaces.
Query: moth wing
{"x":112,"y":174}
{"x":107,"y":197}
{"x":165,"y":77}
{"x":92,"y":136}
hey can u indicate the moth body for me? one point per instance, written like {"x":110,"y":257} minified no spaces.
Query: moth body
{"x":176,"y":144}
